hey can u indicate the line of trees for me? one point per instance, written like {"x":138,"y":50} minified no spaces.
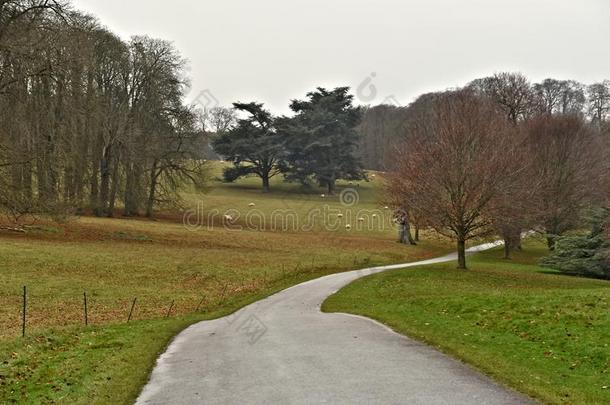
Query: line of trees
{"x":318,"y":144}
{"x":481,"y":160}
{"x":384,"y":126}
{"x":90,"y":121}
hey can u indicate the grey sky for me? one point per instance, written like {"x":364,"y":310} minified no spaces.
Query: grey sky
{"x":275,"y":50}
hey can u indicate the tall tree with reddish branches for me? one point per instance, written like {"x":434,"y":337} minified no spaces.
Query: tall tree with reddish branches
{"x":568,"y":160}
{"x":458,"y":157}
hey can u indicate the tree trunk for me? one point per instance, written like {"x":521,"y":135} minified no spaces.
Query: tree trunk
{"x":404,"y":234}
{"x":461,"y":250}
{"x":114,"y":187}
{"x":507,"y":248}
{"x":130,"y":199}
{"x":102,"y":206}
{"x":331,"y":187}
{"x":266,"y":187}
{"x":152,"y":191}
{"x":416,"y":233}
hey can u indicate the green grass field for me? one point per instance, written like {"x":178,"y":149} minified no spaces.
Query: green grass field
{"x":542,"y":333}
{"x":213,"y":264}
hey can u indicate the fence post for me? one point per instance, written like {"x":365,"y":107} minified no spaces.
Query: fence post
{"x":133,"y":304}
{"x":170,"y":309}
{"x":199,"y":305}
{"x":24,"y":306}
{"x":85,"y":302}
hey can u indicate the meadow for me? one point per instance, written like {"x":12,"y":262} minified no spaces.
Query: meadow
{"x":178,"y":274}
{"x":545,"y":334}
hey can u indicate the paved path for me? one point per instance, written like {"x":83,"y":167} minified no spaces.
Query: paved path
{"x":283,"y":350}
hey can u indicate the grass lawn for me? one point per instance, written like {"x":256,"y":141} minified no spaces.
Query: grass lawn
{"x":213,"y":265}
{"x":545,"y":334}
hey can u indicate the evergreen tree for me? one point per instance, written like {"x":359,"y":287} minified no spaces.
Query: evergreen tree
{"x":253,"y":145}
{"x":322,"y":140}
{"x":587,"y":255}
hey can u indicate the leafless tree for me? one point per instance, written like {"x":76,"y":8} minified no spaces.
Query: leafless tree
{"x":599,"y":101}
{"x":512,"y":91}
{"x":85,"y":114}
{"x":460,"y":156}
{"x":568,"y":160}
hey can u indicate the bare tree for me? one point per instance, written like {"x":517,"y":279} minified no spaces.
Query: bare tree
{"x":511,"y":208}
{"x":599,"y":101}
{"x":572,"y":97}
{"x":85,"y":113}
{"x":460,"y":156}
{"x":568,"y":160}
{"x":549,"y":94}
{"x":512,"y":91}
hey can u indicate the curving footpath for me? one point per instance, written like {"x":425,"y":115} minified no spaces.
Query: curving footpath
{"x":283,"y":350}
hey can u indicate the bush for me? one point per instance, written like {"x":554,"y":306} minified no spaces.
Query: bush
{"x":586,"y":255}
{"x":231,"y":174}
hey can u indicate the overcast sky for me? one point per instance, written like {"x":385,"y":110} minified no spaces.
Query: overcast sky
{"x":272,"y":51}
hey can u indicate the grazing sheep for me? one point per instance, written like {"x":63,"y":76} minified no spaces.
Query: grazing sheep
{"x":251,"y":205}
{"x":340,"y":215}
{"x":348,"y":227}
{"x":323,"y":195}
{"x":228,"y":218}
{"x":361,"y":219}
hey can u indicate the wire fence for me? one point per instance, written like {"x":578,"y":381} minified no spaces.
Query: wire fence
{"x":35,"y":313}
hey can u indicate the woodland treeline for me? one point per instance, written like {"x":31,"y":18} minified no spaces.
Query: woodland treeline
{"x":503,"y":157}
{"x":384,"y":126}
{"x":89,"y":121}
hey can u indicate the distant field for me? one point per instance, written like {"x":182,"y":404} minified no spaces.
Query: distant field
{"x":209,"y":264}
{"x":157,"y":262}
{"x":543,"y":333}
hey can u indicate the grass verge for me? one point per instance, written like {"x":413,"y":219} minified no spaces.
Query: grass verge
{"x":542,"y":333}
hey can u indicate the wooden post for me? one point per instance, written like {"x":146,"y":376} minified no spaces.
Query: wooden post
{"x":24,"y":306}
{"x":85,"y":302}
{"x":199,"y":305}
{"x":170,"y":309}
{"x":133,"y":304}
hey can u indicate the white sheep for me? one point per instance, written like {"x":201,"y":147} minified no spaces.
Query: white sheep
{"x":251,"y":205}
{"x":228,"y":218}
